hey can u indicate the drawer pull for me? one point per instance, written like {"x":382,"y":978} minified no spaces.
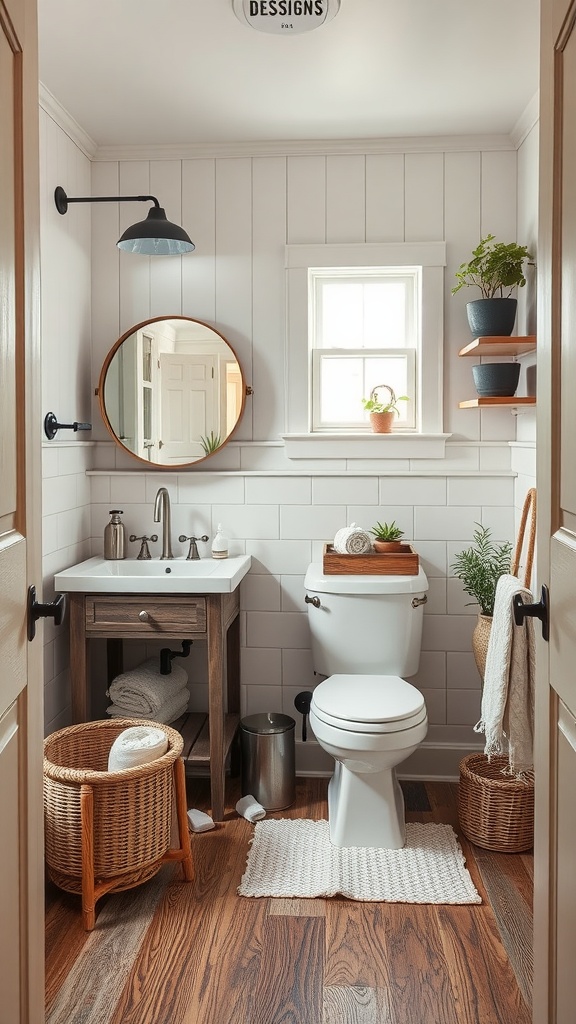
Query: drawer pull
{"x":143,"y":616}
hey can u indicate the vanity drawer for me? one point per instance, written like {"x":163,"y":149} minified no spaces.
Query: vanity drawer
{"x":144,"y":616}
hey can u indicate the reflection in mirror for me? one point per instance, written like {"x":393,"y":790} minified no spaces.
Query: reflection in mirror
{"x":171,"y":391}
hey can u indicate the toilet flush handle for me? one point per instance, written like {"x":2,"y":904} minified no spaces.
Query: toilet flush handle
{"x":312,"y":600}
{"x":417,"y":601}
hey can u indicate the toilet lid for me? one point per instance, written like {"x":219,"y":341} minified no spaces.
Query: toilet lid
{"x":368,"y":699}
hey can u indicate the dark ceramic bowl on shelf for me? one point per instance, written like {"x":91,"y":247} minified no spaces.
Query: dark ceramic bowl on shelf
{"x":496,"y":380}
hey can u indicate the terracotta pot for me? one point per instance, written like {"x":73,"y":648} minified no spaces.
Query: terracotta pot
{"x":381,"y":422}
{"x":480,"y":638}
{"x":388,"y":545}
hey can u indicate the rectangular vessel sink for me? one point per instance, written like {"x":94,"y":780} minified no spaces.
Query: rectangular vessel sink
{"x":157,"y":576}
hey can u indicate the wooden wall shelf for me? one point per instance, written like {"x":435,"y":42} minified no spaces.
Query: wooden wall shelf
{"x":511,"y":403}
{"x":499,"y":346}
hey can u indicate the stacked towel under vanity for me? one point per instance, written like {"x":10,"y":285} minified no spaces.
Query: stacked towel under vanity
{"x":143,"y":692}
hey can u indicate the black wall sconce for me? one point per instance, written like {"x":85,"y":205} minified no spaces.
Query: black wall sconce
{"x":51,"y":426}
{"x":155,"y":236}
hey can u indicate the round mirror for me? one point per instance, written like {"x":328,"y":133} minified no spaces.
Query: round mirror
{"x":171,"y":391}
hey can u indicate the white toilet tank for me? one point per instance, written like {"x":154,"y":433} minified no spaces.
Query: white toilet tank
{"x":365,"y":624}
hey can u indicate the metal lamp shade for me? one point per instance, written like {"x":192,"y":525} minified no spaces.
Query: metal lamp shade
{"x":156,"y":236}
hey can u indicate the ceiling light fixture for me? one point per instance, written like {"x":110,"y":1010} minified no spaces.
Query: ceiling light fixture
{"x":155,"y":236}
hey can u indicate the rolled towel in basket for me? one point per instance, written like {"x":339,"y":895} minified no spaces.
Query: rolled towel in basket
{"x":144,"y":690}
{"x":139,"y":744}
{"x":352,"y":540}
{"x":168,"y":712}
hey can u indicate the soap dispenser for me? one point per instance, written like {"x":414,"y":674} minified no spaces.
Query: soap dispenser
{"x":220,"y":544}
{"x":115,"y":536}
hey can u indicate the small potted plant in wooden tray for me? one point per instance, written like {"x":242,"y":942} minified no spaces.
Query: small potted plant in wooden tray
{"x":387,"y":537}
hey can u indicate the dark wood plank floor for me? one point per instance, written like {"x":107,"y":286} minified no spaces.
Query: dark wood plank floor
{"x":170,"y":952}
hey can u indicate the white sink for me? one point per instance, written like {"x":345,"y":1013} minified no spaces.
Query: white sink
{"x":156,"y":576}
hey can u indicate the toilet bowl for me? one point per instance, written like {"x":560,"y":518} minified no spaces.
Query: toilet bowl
{"x":366,"y":634}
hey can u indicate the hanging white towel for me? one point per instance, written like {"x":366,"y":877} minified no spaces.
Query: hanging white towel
{"x":144,"y":690}
{"x":507,"y":716}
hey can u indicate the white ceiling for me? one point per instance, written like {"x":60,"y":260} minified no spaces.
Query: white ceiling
{"x":138,"y":72}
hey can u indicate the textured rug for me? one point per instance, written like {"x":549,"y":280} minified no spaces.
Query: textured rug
{"x":296,"y":858}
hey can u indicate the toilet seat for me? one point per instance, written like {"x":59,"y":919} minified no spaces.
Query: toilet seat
{"x":368,"y":703}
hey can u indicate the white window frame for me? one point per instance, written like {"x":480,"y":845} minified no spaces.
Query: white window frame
{"x":428,"y":440}
{"x":412,"y":277}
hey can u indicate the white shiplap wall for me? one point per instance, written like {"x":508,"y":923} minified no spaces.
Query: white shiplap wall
{"x":66,"y":383}
{"x":241,"y":211}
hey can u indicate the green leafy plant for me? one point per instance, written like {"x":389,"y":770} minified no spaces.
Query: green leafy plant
{"x":481,"y":566}
{"x":373,"y":404}
{"x":211,"y":442}
{"x":495,"y":268}
{"x":387,"y":531}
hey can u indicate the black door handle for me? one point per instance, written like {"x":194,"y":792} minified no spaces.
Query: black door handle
{"x":539,"y":611}
{"x":36,"y":610}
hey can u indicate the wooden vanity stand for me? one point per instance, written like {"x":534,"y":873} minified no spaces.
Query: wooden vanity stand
{"x":210,"y":617}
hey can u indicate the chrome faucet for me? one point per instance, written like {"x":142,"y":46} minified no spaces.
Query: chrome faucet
{"x":162,"y":512}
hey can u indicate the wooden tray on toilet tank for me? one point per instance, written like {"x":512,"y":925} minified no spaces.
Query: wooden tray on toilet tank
{"x":393,"y":563}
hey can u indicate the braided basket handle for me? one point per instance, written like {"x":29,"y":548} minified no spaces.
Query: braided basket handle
{"x":529,"y":507}
{"x":374,"y":396}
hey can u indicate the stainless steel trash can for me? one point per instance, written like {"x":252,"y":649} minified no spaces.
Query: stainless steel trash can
{"x":268,"y":759}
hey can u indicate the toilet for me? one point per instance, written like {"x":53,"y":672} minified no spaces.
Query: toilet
{"x":366,"y":633}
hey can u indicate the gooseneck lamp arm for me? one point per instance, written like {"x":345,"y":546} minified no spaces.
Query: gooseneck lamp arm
{"x":155,"y":236}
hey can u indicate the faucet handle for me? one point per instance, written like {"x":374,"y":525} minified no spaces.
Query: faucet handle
{"x":144,"y":553}
{"x":192,"y":550}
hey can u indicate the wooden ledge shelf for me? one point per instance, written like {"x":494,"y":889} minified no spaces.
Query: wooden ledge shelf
{"x":511,"y":403}
{"x":194,"y":729}
{"x":500,"y":346}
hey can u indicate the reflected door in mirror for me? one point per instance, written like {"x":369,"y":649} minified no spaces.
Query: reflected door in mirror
{"x":171,"y":391}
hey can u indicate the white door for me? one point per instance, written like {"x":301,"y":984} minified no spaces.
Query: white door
{"x":189,"y":405}
{"x":555,"y":840}
{"x":21,"y":833}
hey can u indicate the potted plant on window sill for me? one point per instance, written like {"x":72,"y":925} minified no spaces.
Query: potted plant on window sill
{"x":496,"y":268}
{"x":387,"y":537}
{"x":382,"y":413}
{"x":480,"y":567}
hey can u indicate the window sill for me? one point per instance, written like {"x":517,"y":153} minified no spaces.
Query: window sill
{"x":365,"y":446}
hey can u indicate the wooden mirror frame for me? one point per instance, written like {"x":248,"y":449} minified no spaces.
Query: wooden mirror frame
{"x":176,"y":466}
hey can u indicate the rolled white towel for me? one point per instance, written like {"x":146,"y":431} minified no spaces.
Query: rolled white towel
{"x":358,"y":543}
{"x":249,"y":808}
{"x":144,"y":690}
{"x":341,"y":538}
{"x":168,"y":712}
{"x":139,"y":744}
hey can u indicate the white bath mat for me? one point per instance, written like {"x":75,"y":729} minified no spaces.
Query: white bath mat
{"x":296,"y":858}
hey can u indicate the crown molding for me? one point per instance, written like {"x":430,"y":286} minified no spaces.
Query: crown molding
{"x":526,"y":122}
{"x":312,"y":147}
{"x":66,"y":122}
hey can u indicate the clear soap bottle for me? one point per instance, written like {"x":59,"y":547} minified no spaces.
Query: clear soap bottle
{"x":220,"y":544}
{"x":115,"y":536}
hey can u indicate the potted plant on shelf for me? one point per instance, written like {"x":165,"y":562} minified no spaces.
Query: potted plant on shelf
{"x":387,"y":537}
{"x":381,"y":412}
{"x":496,"y":268}
{"x":480,"y":567}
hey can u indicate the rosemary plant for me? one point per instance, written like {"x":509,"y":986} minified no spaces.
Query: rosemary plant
{"x":481,"y":566}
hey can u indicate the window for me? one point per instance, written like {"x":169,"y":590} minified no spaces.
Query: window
{"x":359,"y":315}
{"x":363,"y":333}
